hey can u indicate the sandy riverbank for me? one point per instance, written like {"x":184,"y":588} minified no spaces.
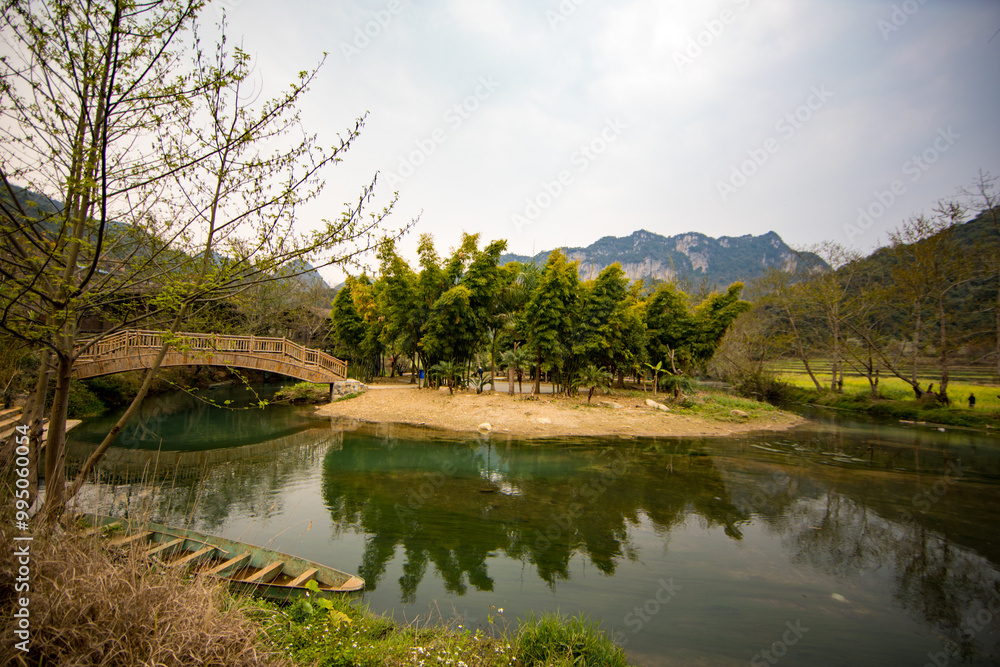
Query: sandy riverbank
{"x":544,"y":416}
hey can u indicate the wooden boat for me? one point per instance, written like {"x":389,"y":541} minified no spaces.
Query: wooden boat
{"x":245,"y":567}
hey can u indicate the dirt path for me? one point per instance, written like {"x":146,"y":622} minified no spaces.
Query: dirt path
{"x":543,"y":416}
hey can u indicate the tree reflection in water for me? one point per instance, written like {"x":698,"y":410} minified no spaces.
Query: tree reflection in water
{"x":455,"y":504}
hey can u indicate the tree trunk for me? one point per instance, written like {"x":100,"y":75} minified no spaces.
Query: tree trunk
{"x":538,"y":373}
{"x":55,"y":441}
{"x":836,"y":380}
{"x":916,"y":349}
{"x":109,"y":439}
{"x":872,"y":373}
{"x":510,"y":380}
{"x":32,"y":417}
{"x":943,"y":391}
{"x":998,"y":328}
{"x":801,"y":350}
{"x":493,"y":363}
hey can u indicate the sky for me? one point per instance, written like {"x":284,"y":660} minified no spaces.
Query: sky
{"x":555,"y":123}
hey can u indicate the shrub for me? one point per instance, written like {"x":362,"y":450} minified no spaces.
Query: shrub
{"x":303,"y":391}
{"x":555,"y":639}
{"x":83,"y":402}
{"x":763,"y":386}
{"x":115,"y":390}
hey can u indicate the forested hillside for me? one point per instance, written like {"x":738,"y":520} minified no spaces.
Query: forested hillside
{"x":913,"y":310}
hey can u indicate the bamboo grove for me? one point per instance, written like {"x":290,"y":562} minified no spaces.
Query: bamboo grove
{"x":461,"y":318}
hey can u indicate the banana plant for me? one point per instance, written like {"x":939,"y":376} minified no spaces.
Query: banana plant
{"x":657,"y":369}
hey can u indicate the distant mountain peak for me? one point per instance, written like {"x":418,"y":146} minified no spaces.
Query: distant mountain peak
{"x":688,"y":256}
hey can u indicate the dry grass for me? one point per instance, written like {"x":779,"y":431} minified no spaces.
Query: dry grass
{"x":92,"y":607}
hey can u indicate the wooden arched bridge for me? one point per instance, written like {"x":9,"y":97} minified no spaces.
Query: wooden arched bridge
{"x":133,"y":350}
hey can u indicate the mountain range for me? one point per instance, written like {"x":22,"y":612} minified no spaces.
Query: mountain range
{"x":690,"y":257}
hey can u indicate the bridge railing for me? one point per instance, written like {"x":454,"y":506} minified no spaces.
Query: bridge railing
{"x":124,"y":343}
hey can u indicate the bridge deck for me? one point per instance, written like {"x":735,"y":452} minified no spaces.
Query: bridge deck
{"x":137,"y":349}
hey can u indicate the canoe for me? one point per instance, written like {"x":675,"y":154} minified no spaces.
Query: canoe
{"x":245,"y":567}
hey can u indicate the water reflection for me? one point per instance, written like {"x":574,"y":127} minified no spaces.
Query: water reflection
{"x":204,"y":419}
{"x":759,"y":530}
{"x":455,"y":505}
{"x":203,"y":489}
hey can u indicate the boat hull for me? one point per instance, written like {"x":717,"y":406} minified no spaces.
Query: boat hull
{"x":245,"y":567}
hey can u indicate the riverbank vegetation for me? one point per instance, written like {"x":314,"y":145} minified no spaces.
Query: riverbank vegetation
{"x":92,"y":605}
{"x":911,"y":331}
{"x":895,"y":398}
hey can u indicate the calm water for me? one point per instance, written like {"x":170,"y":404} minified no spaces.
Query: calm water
{"x":834,"y":544}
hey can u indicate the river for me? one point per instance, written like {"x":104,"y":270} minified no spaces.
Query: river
{"x":841,"y":542}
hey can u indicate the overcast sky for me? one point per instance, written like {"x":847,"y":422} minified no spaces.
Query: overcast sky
{"x":557,"y":123}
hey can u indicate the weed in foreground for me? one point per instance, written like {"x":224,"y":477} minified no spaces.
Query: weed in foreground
{"x":91,"y":607}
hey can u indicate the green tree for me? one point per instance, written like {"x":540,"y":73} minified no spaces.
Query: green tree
{"x":431,"y":284}
{"x":602,"y":318}
{"x":677,"y":384}
{"x":450,"y":332}
{"x":486,"y":283}
{"x":399,"y":304}
{"x":630,"y":318}
{"x":928,"y":268}
{"x":348,"y":327}
{"x":711,"y":319}
{"x":447,"y":372}
{"x":549,"y":313}
{"x":671,"y":325}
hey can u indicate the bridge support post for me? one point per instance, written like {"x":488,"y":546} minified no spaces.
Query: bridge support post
{"x":331,"y":392}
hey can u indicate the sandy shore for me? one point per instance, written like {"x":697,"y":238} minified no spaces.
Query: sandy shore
{"x":544,"y":416}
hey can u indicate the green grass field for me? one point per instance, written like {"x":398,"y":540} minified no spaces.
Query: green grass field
{"x":964,"y":380}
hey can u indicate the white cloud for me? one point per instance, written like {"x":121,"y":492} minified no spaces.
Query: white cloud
{"x":687,"y":125}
